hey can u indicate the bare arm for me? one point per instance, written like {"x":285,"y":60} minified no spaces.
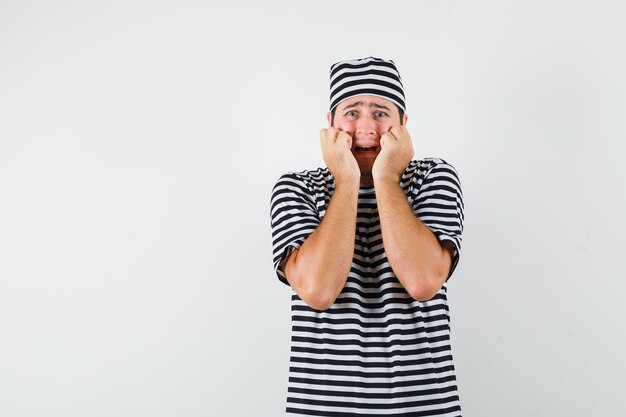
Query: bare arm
{"x":319,"y":269}
{"x":417,"y":258}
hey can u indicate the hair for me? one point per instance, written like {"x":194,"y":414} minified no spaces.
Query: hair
{"x":332,"y":114}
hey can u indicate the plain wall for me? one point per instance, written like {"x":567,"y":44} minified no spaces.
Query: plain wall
{"x":140,"y":140}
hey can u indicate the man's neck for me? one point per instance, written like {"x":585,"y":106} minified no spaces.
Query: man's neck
{"x":367,"y":181}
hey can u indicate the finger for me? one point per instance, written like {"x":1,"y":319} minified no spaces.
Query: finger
{"x":383,"y":141}
{"x":396,"y":132}
{"x":386,"y":137}
{"x":345,"y":138}
{"x":323,"y":140}
{"x":401,"y":132}
{"x":331,"y":134}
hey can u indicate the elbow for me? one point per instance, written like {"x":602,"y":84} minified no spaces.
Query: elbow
{"x":310,"y":289}
{"x":318,"y":298}
{"x":319,"y":305}
{"x":317,"y":294}
{"x":316,"y":289}
{"x":423,"y":289}
{"x":422,"y":294}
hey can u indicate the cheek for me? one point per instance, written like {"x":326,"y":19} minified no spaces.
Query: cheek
{"x":348,"y":127}
{"x":383,"y":127}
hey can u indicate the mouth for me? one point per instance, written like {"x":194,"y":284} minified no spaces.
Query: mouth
{"x":365,"y":149}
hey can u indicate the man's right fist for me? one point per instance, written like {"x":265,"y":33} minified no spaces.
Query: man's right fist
{"x":336,"y":145}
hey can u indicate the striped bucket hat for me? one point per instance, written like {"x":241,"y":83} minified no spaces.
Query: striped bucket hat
{"x":366,"y":76}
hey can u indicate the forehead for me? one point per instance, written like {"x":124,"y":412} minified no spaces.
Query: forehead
{"x":367,"y":101}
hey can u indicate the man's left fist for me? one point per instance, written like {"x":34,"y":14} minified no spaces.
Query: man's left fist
{"x":396,"y":151}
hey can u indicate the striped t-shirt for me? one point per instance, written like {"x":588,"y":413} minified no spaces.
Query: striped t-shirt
{"x":376,"y":350}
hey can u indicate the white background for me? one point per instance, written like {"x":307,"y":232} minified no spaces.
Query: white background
{"x":140,"y":140}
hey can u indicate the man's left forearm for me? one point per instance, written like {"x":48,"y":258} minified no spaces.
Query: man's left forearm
{"x":414,"y":252}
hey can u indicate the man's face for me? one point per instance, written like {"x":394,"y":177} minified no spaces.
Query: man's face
{"x":366,"y":118}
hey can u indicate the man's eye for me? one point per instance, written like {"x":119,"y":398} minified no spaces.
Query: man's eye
{"x":351,"y":114}
{"x":380,"y":114}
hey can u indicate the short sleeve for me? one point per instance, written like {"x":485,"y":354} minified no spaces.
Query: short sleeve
{"x":439,"y":205}
{"x":294,"y":216}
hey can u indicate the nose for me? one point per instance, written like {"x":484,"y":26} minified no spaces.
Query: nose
{"x":366,"y":126}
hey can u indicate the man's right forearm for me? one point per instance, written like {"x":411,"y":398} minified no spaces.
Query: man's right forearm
{"x":319,"y":269}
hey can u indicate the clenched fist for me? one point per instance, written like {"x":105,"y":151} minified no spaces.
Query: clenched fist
{"x":396,"y":151}
{"x":337,"y":155}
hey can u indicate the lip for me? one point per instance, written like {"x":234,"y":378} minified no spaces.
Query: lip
{"x":365,"y":144}
{"x":375,"y":150}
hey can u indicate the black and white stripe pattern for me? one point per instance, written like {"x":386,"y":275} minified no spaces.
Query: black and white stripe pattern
{"x":375,"y":351}
{"x":367,"y":76}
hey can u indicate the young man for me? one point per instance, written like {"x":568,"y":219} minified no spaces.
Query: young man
{"x":367,"y":244}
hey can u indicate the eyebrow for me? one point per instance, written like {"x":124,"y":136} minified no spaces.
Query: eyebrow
{"x":360,"y":103}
